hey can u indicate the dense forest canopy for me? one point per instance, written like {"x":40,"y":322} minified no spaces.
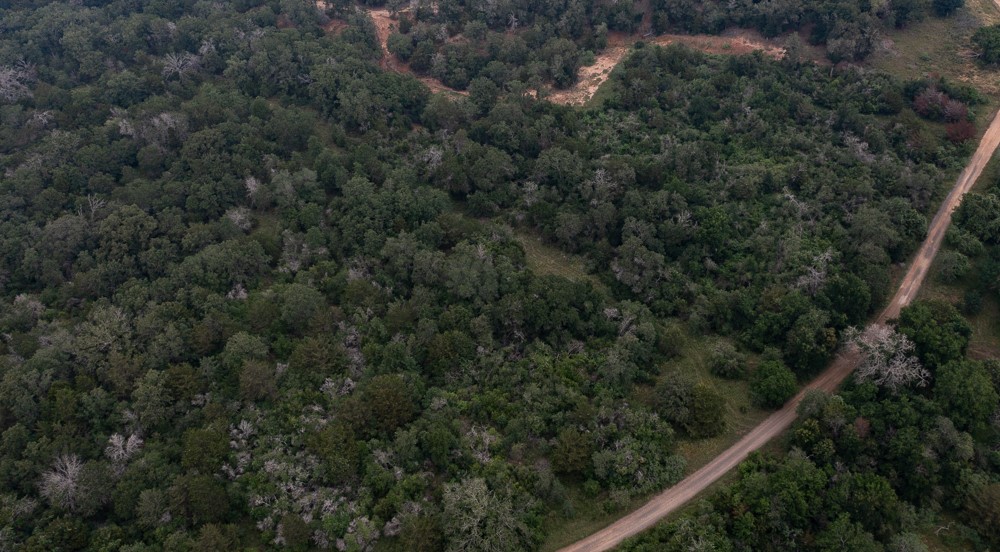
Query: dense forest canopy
{"x":260,"y":293}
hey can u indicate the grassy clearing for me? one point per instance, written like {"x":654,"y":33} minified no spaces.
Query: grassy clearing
{"x":589,"y":513}
{"x":942,"y":47}
{"x":943,"y":535}
{"x":601,"y":95}
{"x":544,"y":259}
{"x":741,"y":416}
{"x":985,"y":341}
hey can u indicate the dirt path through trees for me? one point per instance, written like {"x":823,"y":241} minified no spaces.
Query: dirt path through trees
{"x":675,"y":497}
{"x":591,"y":77}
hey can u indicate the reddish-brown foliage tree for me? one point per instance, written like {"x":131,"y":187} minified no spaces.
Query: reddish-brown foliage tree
{"x":960,"y":131}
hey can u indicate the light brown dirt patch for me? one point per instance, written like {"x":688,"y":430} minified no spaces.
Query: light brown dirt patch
{"x":591,"y":77}
{"x":385,"y":24}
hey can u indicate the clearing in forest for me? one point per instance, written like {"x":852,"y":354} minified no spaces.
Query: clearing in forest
{"x":385,"y":24}
{"x":591,"y":77}
{"x":544,"y":259}
{"x":909,"y":53}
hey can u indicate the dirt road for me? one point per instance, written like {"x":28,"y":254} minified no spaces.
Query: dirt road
{"x":385,"y":25}
{"x":775,"y":424}
{"x":939,"y":225}
{"x":592,"y":76}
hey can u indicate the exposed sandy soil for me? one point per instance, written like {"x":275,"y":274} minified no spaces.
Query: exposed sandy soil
{"x":775,"y":424}
{"x":385,"y":25}
{"x":734,"y":42}
{"x":335,"y":26}
{"x":591,"y":77}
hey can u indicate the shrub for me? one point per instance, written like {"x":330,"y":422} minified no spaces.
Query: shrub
{"x":726,"y":362}
{"x":944,"y":8}
{"x":987,"y":42}
{"x":772,"y":384}
{"x":960,"y":131}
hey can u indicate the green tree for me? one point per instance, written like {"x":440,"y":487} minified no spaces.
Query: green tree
{"x":336,"y":446}
{"x":212,"y":537}
{"x":707,"y":412}
{"x":843,"y":534}
{"x":979,"y":215}
{"x":388,"y":401}
{"x":987,"y":42}
{"x":422,"y":533}
{"x":966,"y":394}
{"x":726,"y":362}
{"x":572,"y":451}
{"x":258,"y":380}
{"x":152,"y":401}
{"x":772,"y":384}
{"x":982,"y":510}
{"x":938,"y":331}
{"x":810,"y":341}
{"x":199,"y":498}
{"x":204,"y":450}
{"x":300,"y":306}
{"x":944,"y":8}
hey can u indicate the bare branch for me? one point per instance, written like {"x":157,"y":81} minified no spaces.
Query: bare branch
{"x":887,"y":358}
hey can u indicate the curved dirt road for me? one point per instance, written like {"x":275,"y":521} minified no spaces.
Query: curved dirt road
{"x":669,"y":500}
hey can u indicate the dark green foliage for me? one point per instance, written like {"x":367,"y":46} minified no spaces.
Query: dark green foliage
{"x":810,"y":342}
{"x":987,"y":41}
{"x":383,"y":405}
{"x":338,"y":449}
{"x":703,"y":529}
{"x":696,"y":407}
{"x":979,"y":215}
{"x":982,"y":510}
{"x":707,"y":412}
{"x":204,"y":450}
{"x":843,"y":534}
{"x":964,"y":390}
{"x":944,"y":8}
{"x":257,"y":380}
{"x":259,"y":290}
{"x":951,"y":266}
{"x":199,"y":499}
{"x":63,"y":534}
{"x":937,"y":329}
{"x":726,"y":362}
{"x":771,"y":384}
{"x":572,"y":452}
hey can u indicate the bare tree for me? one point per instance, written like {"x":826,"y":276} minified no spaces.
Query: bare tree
{"x":241,"y":217}
{"x":40,"y":119}
{"x":814,"y":278}
{"x":512,"y":22}
{"x":121,"y":449}
{"x":60,"y":484}
{"x":14,"y":81}
{"x":478,"y":519}
{"x":887,"y":358}
{"x":180,"y":65}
